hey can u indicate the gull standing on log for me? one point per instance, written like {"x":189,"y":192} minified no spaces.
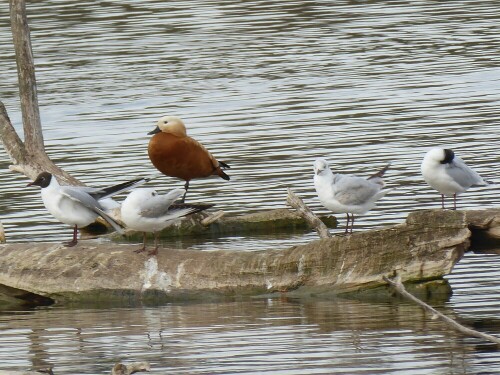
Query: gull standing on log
{"x":448,"y":174}
{"x":342,"y":193}
{"x":146,"y":211}
{"x":176,"y":154}
{"x":79,"y":206}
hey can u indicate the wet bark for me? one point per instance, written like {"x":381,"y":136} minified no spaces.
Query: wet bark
{"x":424,"y":248}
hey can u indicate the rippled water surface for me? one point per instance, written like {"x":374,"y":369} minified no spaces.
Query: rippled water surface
{"x":267,"y":87}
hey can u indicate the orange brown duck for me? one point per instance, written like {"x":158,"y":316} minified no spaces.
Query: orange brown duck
{"x":176,"y":154}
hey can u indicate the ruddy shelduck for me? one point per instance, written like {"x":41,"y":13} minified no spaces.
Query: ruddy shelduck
{"x":176,"y":154}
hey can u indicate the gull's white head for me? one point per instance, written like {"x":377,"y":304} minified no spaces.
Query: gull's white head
{"x":170,"y":124}
{"x":321,"y":166}
{"x":439,"y":155}
{"x":140,"y":195}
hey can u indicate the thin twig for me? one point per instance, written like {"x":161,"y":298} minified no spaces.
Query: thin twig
{"x":294,"y":201}
{"x":399,"y":287}
{"x":212,"y":218}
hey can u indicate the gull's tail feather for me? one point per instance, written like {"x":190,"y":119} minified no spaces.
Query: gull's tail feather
{"x":178,"y":210}
{"x":110,"y":220}
{"x":380,"y":173}
{"x":377,"y":177}
{"x":124,"y":186}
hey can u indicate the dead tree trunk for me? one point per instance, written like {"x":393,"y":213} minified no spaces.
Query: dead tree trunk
{"x":28,"y":157}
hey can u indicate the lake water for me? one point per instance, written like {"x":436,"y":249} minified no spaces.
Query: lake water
{"x":267,"y":87}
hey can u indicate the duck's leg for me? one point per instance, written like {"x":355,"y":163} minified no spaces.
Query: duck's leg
{"x":143,"y":248}
{"x":74,"y":241}
{"x":155,"y":250}
{"x":186,"y":186}
{"x":455,"y":201}
{"x":352,"y":222}
{"x":442,"y":201}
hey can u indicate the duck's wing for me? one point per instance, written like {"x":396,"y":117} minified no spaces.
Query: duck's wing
{"x":462,"y":174}
{"x":80,"y":196}
{"x":353,"y":190}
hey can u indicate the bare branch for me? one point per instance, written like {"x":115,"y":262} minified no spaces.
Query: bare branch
{"x":11,"y":141}
{"x":33,"y":135}
{"x":29,"y":157}
{"x":294,"y":201}
{"x":399,"y":287}
{"x":212,"y":218}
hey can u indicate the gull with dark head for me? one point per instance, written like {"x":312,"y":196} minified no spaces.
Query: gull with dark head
{"x":448,"y":174}
{"x":342,"y":193}
{"x":79,"y":206}
{"x":147,"y":211}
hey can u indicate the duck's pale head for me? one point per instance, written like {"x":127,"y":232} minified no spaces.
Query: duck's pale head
{"x":170,"y":124}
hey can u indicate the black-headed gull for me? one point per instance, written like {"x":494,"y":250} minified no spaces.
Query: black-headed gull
{"x":448,"y":174}
{"x":79,"y":206}
{"x":342,"y":193}
{"x":147,"y":211}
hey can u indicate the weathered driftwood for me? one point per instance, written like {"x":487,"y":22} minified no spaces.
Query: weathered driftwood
{"x":131,"y":368}
{"x":294,"y":201}
{"x":426,"y":247}
{"x":28,"y":157}
{"x":399,"y":287}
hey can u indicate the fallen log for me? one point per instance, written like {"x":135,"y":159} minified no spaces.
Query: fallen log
{"x":425,"y":247}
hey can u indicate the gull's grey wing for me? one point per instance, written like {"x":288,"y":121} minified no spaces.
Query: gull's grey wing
{"x":353,"y":190}
{"x":81,"y":196}
{"x":158,"y":205}
{"x":462,"y":174}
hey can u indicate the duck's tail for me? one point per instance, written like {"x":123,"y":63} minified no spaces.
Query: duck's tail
{"x":220,"y":170}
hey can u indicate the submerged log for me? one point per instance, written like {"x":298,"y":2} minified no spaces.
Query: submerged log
{"x":425,"y":247}
{"x":272,"y":221}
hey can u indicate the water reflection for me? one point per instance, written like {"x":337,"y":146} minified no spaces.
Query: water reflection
{"x":293,"y":336}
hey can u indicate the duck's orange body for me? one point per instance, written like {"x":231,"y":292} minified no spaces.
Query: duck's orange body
{"x":182,"y":157}
{"x":176,"y":154}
